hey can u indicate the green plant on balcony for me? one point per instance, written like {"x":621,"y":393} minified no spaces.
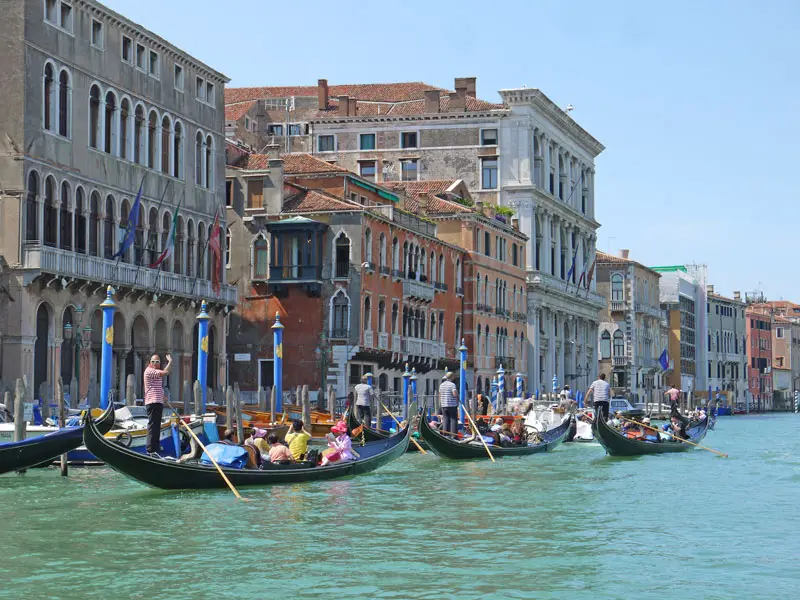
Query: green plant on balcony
{"x":504,"y":211}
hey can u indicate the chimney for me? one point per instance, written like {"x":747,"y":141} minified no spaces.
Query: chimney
{"x":737,"y":296}
{"x":353,"y":107}
{"x":431,"y":101}
{"x":344,"y":106}
{"x":458,"y":101}
{"x":273,"y":187}
{"x":468,"y":83}
{"x":322,"y":93}
{"x":709,"y":289}
{"x":624,"y":253}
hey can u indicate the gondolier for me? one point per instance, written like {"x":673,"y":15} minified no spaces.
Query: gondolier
{"x":448,"y":400}
{"x":600,"y":390}
{"x":364,"y":396}
{"x":154,"y":400}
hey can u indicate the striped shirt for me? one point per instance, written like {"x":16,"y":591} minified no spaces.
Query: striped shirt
{"x":153,"y":386}
{"x":446,"y":394}
{"x":364,"y":394}
{"x":600,"y":390}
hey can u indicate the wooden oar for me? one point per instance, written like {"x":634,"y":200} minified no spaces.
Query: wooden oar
{"x":420,"y":448}
{"x":477,"y":433}
{"x":676,"y":437}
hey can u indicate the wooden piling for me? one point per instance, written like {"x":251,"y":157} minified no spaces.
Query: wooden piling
{"x":20,"y":425}
{"x":186,"y":397}
{"x":331,"y":400}
{"x":229,"y":408}
{"x":62,"y":413}
{"x":198,"y":397}
{"x":74,"y":400}
{"x":9,"y":402}
{"x":262,"y":400}
{"x":44,"y":389}
{"x":234,"y":399}
{"x":130,"y":390}
{"x":306,"y":404}
{"x":378,"y":410}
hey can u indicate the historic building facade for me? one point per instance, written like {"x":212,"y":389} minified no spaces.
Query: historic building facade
{"x":99,"y":108}
{"x":727,"y":348}
{"x":633,"y":328}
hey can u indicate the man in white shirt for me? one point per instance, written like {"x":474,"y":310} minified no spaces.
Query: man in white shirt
{"x":364,"y":395}
{"x":600,"y":390}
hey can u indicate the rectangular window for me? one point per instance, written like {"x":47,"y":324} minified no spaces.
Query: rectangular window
{"x":255,"y":193}
{"x":228,"y":193}
{"x":295,"y":129}
{"x":408,"y":139}
{"x":155,"y":65}
{"x":140,"y":57}
{"x":514,"y":254}
{"x":178,"y":77}
{"x":210,"y":93}
{"x":366,"y":141}
{"x":200,"y":88}
{"x":66,"y":16}
{"x":367,"y":169}
{"x":488,"y":137}
{"x":487,"y":243}
{"x":489,"y":173}
{"x":50,"y":11}
{"x":779,"y":333}
{"x":97,"y":34}
{"x":274,"y":129}
{"x":409,"y":170}
{"x":325,"y":143}
{"x":127,"y":49}
{"x":247,"y":123}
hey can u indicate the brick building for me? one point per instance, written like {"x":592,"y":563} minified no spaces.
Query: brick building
{"x":759,"y":325}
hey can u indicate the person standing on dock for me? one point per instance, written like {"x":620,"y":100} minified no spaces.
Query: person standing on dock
{"x":448,"y":400}
{"x":364,"y":396}
{"x":154,"y":400}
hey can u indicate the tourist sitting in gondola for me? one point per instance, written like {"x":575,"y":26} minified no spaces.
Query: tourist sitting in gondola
{"x":278,"y":452}
{"x":518,"y":432}
{"x":677,"y":429}
{"x":340,"y":447}
{"x":498,"y":425}
{"x":649,"y":434}
{"x":297,"y":438}
{"x":505,"y":435}
{"x":227,"y":438}
{"x":616,"y":421}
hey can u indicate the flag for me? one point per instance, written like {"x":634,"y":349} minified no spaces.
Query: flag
{"x":133,"y":222}
{"x":214,"y":246}
{"x":590,"y":275}
{"x":571,"y":272}
{"x":663,"y":360}
{"x":168,"y":249}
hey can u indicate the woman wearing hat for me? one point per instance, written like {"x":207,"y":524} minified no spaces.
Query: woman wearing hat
{"x":339,"y":445}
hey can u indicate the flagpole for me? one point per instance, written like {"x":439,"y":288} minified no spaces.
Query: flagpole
{"x":149,"y":235}
{"x":119,"y":255}
{"x":205,"y":247}
{"x":172,"y":234}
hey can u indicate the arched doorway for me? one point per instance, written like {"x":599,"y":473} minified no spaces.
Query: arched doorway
{"x":40,"y":354}
{"x":177,"y":366}
{"x":67,"y":347}
{"x":138,"y":357}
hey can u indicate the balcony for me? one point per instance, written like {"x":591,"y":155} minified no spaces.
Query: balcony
{"x":103,"y":271}
{"x":384,"y":270}
{"x":460,"y":290}
{"x":619,"y":361}
{"x":507,"y":362}
{"x":369,"y":339}
{"x":647,"y":309}
{"x":383,"y":341}
{"x":482,"y":307}
{"x":396,"y":345}
{"x":421,"y":347}
{"x":340,"y":334}
{"x":618,"y":305}
{"x":397,"y":274}
{"x":521,"y":317}
{"x":291,"y":273}
{"x":442,"y":287}
{"x":419,"y":290}
{"x":544,"y":283}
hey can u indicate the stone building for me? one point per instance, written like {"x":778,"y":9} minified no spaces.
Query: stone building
{"x":94,"y":107}
{"x":633,"y":328}
{"x":361,"y":283}
{"x":727,"y":348}
{"x":789,"y":311}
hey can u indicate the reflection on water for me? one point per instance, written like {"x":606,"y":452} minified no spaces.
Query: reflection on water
{"x":571,"y":524}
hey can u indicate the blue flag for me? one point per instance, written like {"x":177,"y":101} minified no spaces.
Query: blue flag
{"x":571,"y":271}
{"x":663,"y":360}
{"x":130,"y":228}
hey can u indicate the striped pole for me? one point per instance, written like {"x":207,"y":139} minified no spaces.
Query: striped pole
{"x":406,"y":378}
{"x":106,"y":357}
{"x":202,"y":351}
{"x":277,"y":363}
{"x":501,"y":387}
{"x":462,"y":379}
{"x":555,"y":385}
{"x":520,"y":386}
{"x":414,"y":384}
{"x":493,"y":393}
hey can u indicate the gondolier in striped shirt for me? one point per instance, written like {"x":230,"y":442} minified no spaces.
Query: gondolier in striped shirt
{"x":154,"y":400}
{"x":448,"y":400}
{"x":600,"y":390}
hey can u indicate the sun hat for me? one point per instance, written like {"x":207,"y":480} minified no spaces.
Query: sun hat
{"x":259,"y":433}
{"x":447,"y":375}
{"x":340,"y":427}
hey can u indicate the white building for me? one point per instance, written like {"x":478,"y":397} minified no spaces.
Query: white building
{"x":547,"y":176}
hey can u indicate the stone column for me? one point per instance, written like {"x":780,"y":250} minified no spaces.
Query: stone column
{"x":558,"y":245}
{"x":544,"y":250}
{"x":547,"y":165}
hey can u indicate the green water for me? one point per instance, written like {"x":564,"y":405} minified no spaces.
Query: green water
{"x":572,"y":524}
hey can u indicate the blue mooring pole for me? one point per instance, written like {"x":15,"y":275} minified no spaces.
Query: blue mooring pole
{"x":501,"y":388}
{"x":106,"y":358}
{"x":277,"y":363}
{"x":203,"y":321}
{"x":462,"y":379}
{"x":406,"y":378}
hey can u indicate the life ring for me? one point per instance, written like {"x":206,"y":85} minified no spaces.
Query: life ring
{"x":124,"y":438}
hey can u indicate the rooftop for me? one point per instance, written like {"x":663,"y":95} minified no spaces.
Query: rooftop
{"x":604,"y":258}
{"x":371,"y":92}
{"x":234,"y":112}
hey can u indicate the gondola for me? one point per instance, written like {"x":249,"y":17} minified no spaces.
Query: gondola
{"x":373,"y":435}
{"x":447,"y":447}
{"x":170,"y":475}
{"x":16,"y":456}
{"x":616,"y":444}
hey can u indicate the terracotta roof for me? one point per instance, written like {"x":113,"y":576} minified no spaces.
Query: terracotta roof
{"x":405,"y":108}
{"x":252,"y":162}
{"x":375,"y":92}
{"x":603,"y":257}
{"x":310,"y":201}
{"x":234,"y":112}
{"x":430,"y":190}
{"x":725,"y":298}
{"x":305,"y":164}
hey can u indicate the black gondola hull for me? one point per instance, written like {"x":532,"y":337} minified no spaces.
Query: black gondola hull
{"x":373,"y":435}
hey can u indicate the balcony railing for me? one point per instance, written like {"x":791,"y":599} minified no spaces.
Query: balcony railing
{"x":342,"y":270}
{"x":340,"y":334}
{"x":418,"y":289}
{"x":617,"y":305}
{"x":384,"y":270}
{"x":428,"y":348}
{"x":543,"y":282}
{"x":368,"y":339}
{"x":482,"y":307}
{"x":396,"y":345}
{"x":619,"y":361}
{"x":294,"y":273}
{"x":383,"y":341}
{"x":442,"y":287}
{"x":460,"y":290}
{"x":521,"y":317}
{"x":68,"y":264}
{"x":507,"y":363}
{"x":397,"y":273}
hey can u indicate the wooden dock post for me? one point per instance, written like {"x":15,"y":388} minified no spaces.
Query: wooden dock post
{"x":229,"y":409}
{"x":62,"y":413}
{"x":306,"y":404}
{"x":378,"y":410}
{"x":9,"y":402}
{"x":262,"y":400}
{"x":20,"y":425}
{"x":45,"y":400}
{"x":186,"y":397}
{"x":331,"y":400}
{"x":198,"y":397}
{"x":272,"y":405}
{"x":130,"y":390}
{"x":234,"y":399}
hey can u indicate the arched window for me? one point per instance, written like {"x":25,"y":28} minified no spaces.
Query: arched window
{"x":138,"y":136}
{"x":177,"y":162}
{"x":178,"y":254}
{"x":617,"y":290}
{"x":394,"y":318}
{"x":124,"y":128}
{"x":395,"y":255}
{"x":367,"y":314}
{"x":124,"y":218}
{"x":260,"y":258}
{"x":441,"y":326}
{"x":138,"y":237}
{"x":340,"y":315}
{"x":152,"y":236}
{"x":478,"y":346}
{"x":80,"y":221}
{"x":65,"y":219}
{"x":228,"y":238}
{"x":209,"y":162}
{"x":64,"y":104}
{"x":166,"y":226}
{"x":201,"y":244}
{"x":32,"y":208}
{"x":166,"y":138}
{"x":458,"y":331}
{"x":109,"y":228}
{"x":152,"y":139}
{"x":49,"y":97}
{"x":433,"y":327}
{"x":190,"y":249}
{"x":382,"y":316}
{"x":441,"y":268}
{"x":198,"y":158}
{"x":619,"y":343}
{"x":94,"y":117}
{"x":110,"y":130}
{"x":432,"y":270}
{"x":368,"y":245}
{"x":342,"y":268}
{"x":383,"y":382}
{"x":50,"y":212}
{"x":382,"y":251}
{"x":422,"y":266}
{"x":94,"y":224}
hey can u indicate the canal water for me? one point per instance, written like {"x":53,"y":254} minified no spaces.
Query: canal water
{"x":571,"y":524}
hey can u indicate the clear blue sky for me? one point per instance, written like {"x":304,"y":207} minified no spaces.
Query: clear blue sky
{"x":695,"y":101}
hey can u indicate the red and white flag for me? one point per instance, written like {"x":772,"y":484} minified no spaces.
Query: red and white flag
{"x":170,"y":247}
{"x":216,"y":254}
